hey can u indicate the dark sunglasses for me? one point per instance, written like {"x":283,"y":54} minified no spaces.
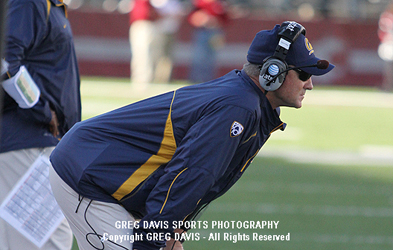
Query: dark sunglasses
{"x":303,"y":76}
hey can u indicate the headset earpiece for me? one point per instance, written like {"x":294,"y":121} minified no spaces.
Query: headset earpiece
{"x":271,"y":75}
{"x":270,"y":69}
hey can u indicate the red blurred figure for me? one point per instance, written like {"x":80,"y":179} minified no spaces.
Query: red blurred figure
{"x":208,"y":18}
{"x":208,"y":14}
{"x":385,"y":50}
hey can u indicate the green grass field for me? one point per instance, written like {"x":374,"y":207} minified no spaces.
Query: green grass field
{"x":327,"y":179}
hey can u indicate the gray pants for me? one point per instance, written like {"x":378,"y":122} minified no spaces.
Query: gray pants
{"x":94,"y":223}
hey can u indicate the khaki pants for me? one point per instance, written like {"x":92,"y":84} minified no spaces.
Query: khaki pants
{"x":141,"y":37}
{"x":93,"y":223}
{"x":13,"y":165}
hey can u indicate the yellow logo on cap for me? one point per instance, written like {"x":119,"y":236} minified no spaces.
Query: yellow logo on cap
{"x":308,"y":46}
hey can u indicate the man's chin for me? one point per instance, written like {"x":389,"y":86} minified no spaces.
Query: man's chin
{"x":298,"y":105}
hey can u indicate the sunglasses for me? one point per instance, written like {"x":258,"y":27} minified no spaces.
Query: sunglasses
{"x":303,"y":76}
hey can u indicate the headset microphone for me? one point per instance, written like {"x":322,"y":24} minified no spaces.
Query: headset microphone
{"x":321,"y":64}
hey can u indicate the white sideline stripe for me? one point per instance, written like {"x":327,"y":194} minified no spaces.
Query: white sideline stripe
{"x":342,"y":158}
{"x":286,"y":208}
{"x":313,"y":188}
{"x":349,"y":98}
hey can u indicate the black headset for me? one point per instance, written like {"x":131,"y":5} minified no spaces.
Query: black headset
{"x":271,"y":74}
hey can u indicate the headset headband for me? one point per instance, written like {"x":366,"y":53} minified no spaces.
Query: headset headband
{"x":288,"y":33}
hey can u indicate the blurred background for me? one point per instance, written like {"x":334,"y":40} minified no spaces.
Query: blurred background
{"x":345,"y":32}
{"x":328,"y":178}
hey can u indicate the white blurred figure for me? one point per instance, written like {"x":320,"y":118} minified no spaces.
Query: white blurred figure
{"x":170,"y":15}
{"x":142,"y":33}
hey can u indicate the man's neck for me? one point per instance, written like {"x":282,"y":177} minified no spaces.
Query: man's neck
{"x":256,"y":82}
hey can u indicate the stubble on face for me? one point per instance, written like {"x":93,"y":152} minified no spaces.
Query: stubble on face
{"x":291,"y":93}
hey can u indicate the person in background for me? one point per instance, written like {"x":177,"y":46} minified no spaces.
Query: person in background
{"x":171,"y":12}
{"x":142,"y":35}
{"x":208,"y":19}
{"x":38,"y":37}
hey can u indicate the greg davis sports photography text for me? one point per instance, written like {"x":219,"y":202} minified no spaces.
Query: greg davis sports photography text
{"x":230,"y":231}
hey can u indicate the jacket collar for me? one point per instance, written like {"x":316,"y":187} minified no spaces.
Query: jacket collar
{"x":273,"y":120}
{"x":57,"y":2}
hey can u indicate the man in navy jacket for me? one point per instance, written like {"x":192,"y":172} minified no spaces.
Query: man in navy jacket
{"x":38,"y":37}
{"x":163,"y":159}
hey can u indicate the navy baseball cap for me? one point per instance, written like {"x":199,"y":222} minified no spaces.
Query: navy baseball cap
{"x":301,"y":52}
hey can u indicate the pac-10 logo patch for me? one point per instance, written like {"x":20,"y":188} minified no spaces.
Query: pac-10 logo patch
{"x":236,"y":129}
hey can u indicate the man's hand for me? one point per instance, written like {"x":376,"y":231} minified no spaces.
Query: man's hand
{"x":169,"y":245}
{"x":53,"y":124}
{"x":177,"y":246}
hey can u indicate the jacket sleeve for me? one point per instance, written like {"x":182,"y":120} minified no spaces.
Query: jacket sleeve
{"x":27,"y":27}
{"x":201,"y":158}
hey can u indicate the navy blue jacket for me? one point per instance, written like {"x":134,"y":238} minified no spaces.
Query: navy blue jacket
{"x":39,"y":36}
{"x":165,"y":157}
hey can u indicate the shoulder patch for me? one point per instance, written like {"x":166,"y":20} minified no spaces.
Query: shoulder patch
{"x":236,"y":129}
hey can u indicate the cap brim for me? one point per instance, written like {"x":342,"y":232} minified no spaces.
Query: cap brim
{"x":314,"y":70}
